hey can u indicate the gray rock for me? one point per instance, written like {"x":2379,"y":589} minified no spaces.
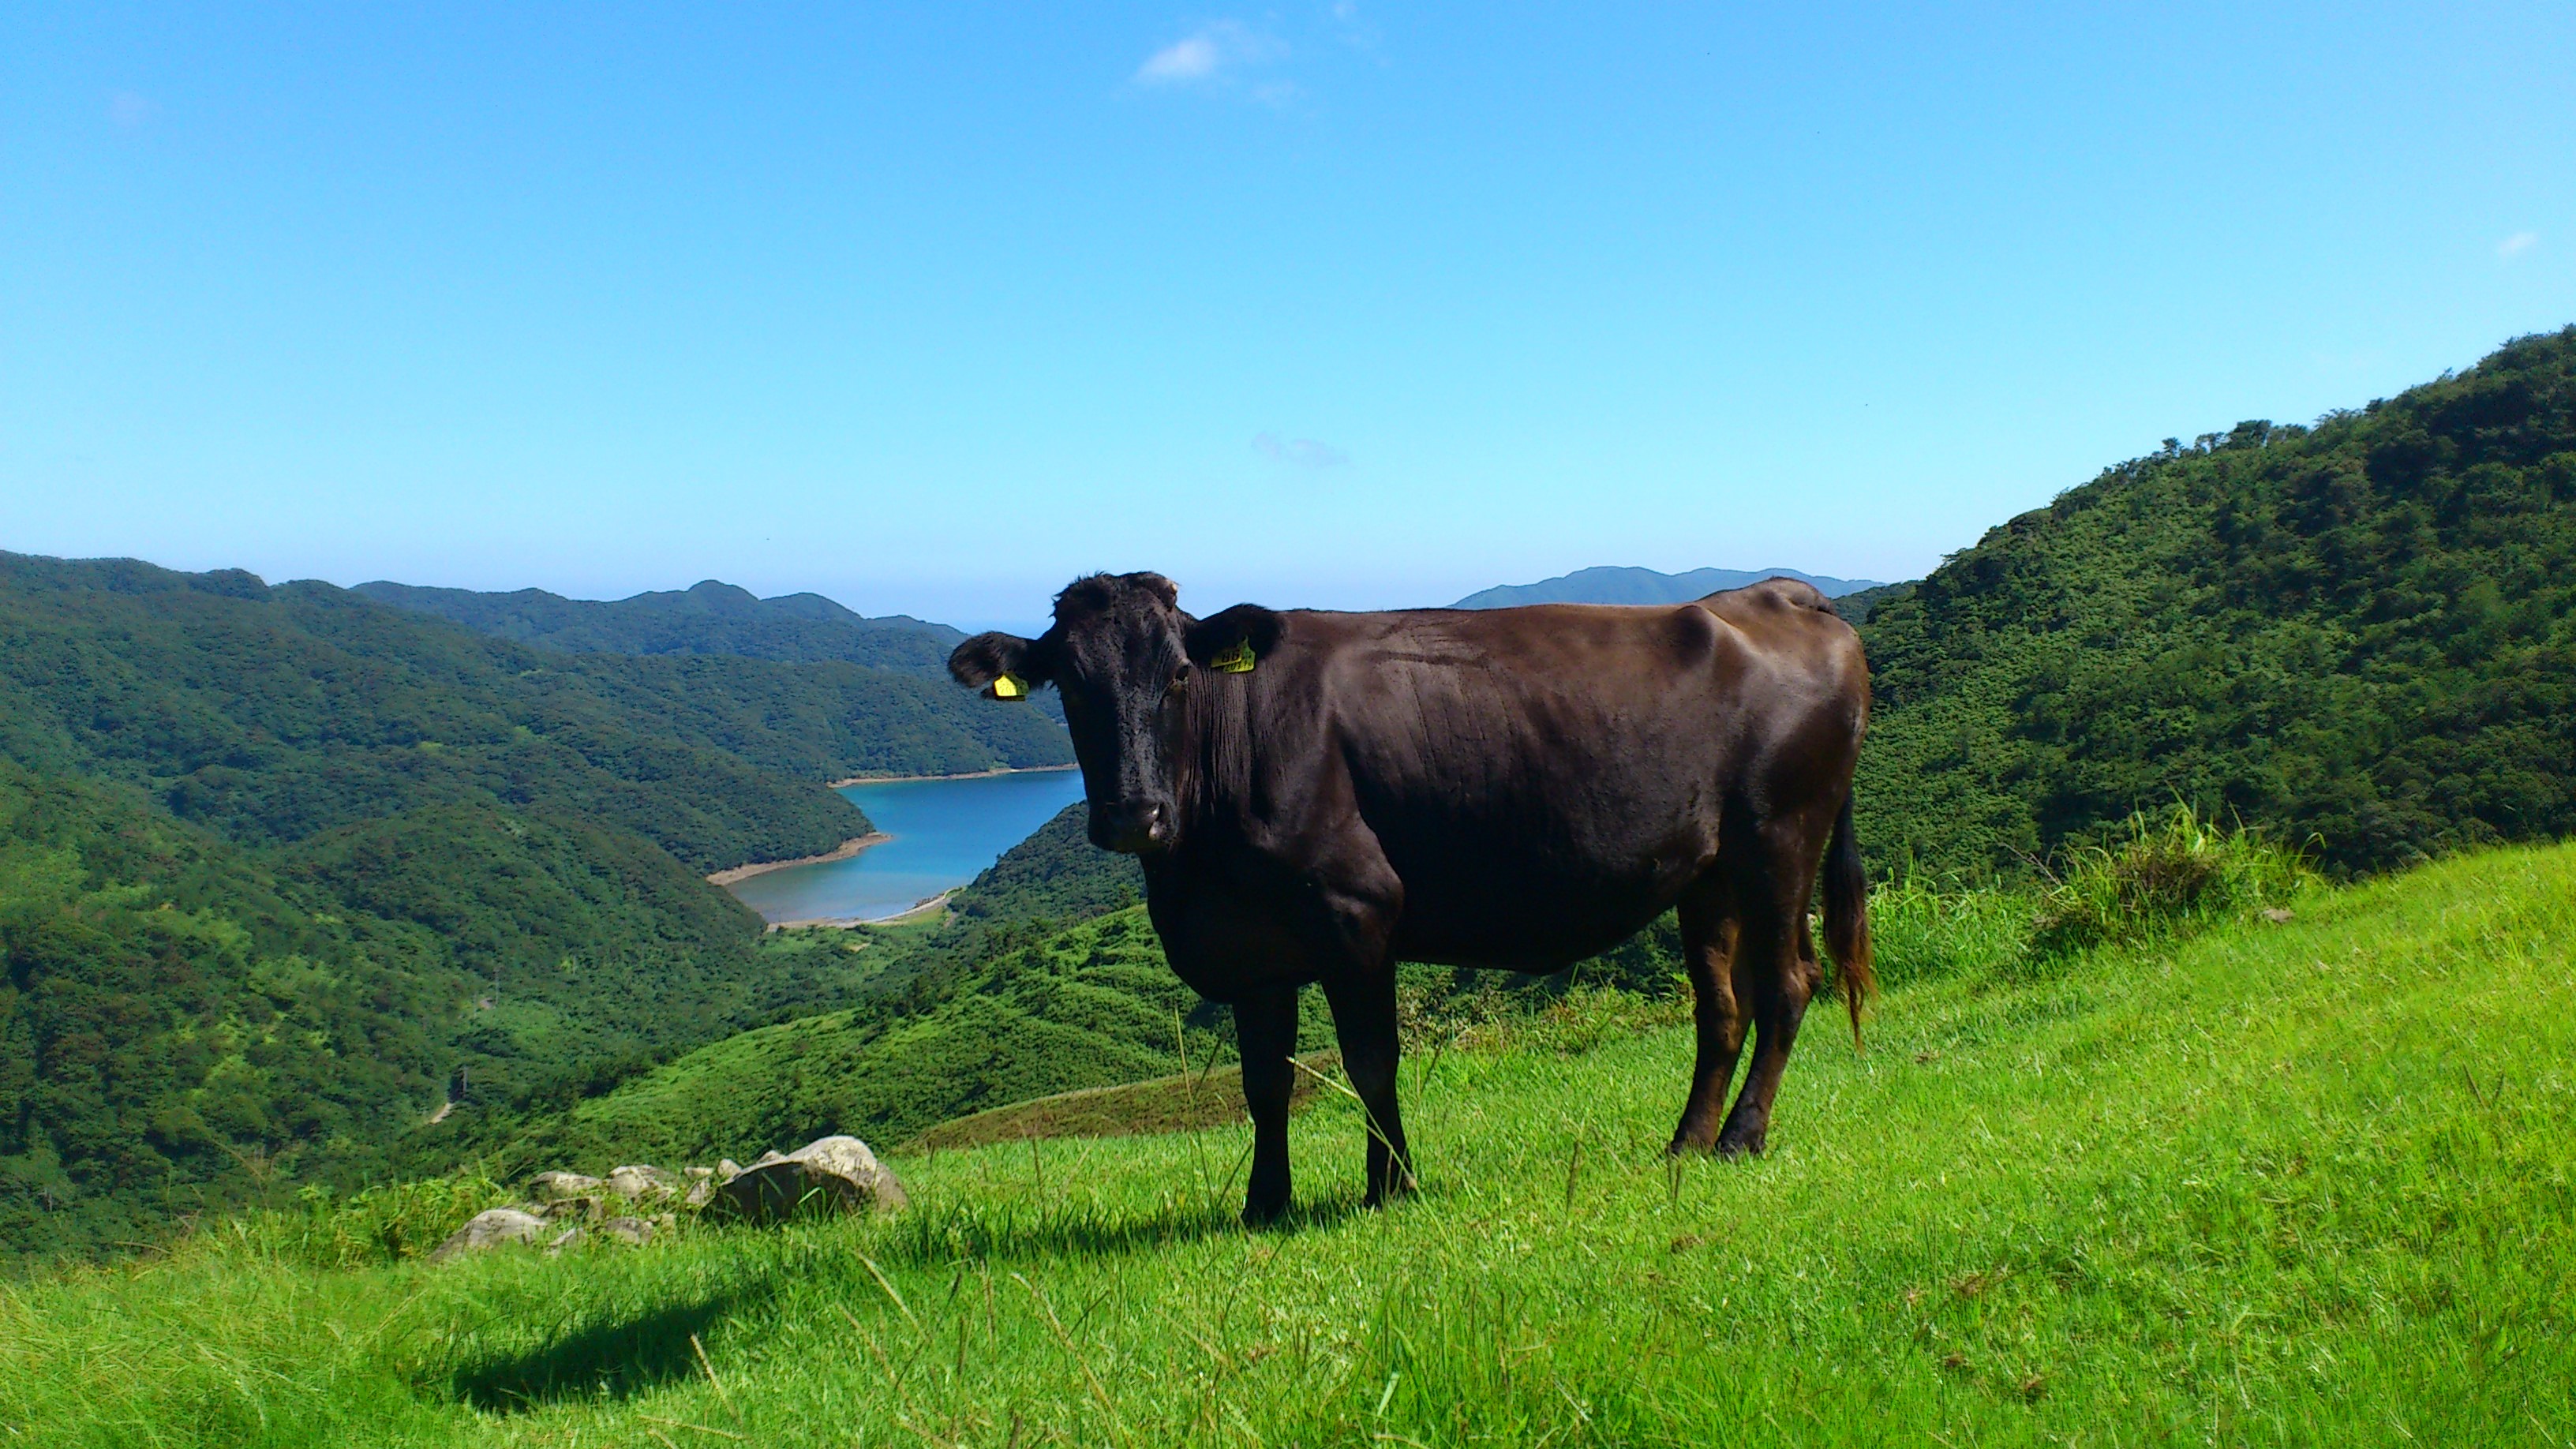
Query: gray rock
{"x":570,"y":1207}
{"x":633,"y":1231}
{"x":727,"y":1169}
{"x":490,"y":1230}
{"x":563,"y":1240}
{"x":702,"y":1186}
{"x":830,"y":1175}
{"x":556,"y":1186}
{"x":643,"y":1183}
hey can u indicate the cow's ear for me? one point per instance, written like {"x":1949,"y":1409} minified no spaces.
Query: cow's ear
{"x":1234,"y":640}
{"x":1003,"y":666}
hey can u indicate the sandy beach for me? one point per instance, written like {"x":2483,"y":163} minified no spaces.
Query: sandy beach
{"x":969,"y":775}
{"x":936,"y":905}
{"x":843,"y":851}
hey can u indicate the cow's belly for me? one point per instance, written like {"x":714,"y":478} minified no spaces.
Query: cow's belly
{"x":1483,"y":898}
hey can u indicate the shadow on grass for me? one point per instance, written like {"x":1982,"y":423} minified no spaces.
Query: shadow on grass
{"x":939,"y":1236}
{"x":608,"y":1355}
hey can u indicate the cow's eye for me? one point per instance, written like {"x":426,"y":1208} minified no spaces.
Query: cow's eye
{"x":1180,"y":679}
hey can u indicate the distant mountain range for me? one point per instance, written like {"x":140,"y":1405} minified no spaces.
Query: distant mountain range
{"x":710,"y":618}
{"x":1645,"y":586}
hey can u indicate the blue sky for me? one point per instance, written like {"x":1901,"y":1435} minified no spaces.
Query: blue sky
{"x":1348,"y":304}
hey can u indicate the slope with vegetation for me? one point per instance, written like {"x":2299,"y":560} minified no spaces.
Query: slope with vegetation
{"x":2361,"y":632}
{"x":189,"y":1025}
{"x":401,"y":857}
{"x":177,"y":1023}
{"x":2279,"y":1181}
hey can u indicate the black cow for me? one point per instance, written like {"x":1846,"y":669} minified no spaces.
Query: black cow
{"x":1316,"y":796}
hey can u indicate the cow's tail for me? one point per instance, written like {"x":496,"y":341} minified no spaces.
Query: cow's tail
{"x":1847,"y":917}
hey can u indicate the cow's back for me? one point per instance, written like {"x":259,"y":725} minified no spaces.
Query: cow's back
{"x":1545,"y":780}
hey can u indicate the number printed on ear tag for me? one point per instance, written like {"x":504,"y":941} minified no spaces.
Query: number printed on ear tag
{"x":1237,"y":660}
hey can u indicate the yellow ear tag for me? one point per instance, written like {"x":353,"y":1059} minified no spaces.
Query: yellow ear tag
{"x":1010,"y":686}
{"x":1237,"y":660}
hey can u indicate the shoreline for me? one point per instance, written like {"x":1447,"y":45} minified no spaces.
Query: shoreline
{"x":969,"y":775}
{"x":843,"y":851}
{"x":919,"y":910}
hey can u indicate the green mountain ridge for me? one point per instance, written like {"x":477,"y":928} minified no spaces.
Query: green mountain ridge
{"x":2360,"y":634}
{"x":270,"y":713}
{"x":707,"y":618}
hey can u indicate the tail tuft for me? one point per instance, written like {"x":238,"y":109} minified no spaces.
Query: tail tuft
{"x":1847,"y":917}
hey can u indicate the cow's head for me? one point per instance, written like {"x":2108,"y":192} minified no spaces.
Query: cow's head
{"x":1126,"y":659}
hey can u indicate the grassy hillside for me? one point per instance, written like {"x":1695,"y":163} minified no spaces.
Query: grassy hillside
{"x":710,"y":618}
{"x":2363,"y":632}
{"x":1091,"y":1006}
{"x":2282,"y":1183}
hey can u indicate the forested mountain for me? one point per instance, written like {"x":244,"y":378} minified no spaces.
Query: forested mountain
{"x":709,"y":618}
{"x":2361,"y":633}
{"x":178,"y":1025}
{"x":271,"y":713}
{"x":281,"y":863}
{"x":1644,"y":586}
{"x":187,"y":1023}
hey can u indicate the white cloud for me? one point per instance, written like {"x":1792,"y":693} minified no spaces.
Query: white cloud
{"x":2516,"y":244}
{"x":1300,"y":452}
{"x":1209,"y":54}
{"x":1182,"y":60}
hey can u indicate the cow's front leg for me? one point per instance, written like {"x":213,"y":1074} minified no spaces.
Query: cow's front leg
{"x":1364,"y":1018}
{"x":1265,"y":1033}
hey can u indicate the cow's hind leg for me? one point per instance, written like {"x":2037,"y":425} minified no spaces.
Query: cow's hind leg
{"x":1364,"y":1018}
{"x":1708,"y":950}
{"x":1776,"y":972}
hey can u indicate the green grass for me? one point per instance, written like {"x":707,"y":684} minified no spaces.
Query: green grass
{"x":2300,"y":1182}
{"x":1203,"y":1097}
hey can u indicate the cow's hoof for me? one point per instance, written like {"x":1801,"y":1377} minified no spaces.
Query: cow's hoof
{"x":1403,"y":1186}
{"x":1263,"y":1214}
{"x":1684,"y":1147}
{"x":1749,"y":1145}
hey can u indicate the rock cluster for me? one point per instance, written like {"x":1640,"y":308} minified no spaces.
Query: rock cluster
{"x":831,"y":1175}
{"x":828,"y":1176}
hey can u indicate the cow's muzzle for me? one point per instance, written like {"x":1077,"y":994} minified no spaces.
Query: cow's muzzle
{"x":1131,"y":829}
